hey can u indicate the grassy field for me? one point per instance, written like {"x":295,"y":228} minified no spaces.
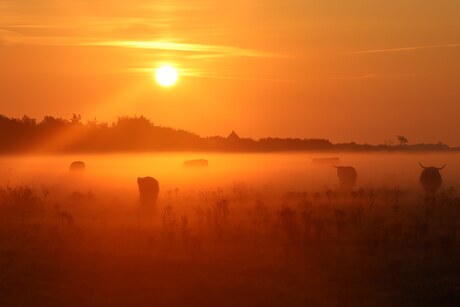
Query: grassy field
{"x":239,"y":246}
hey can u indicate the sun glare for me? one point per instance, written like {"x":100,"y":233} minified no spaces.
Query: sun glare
{"x":166,"y":75}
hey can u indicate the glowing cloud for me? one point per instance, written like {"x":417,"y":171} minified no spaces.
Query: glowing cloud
{"x":185,"y":47}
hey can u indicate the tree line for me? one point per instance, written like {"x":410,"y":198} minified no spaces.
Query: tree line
{"x":138,"y":133}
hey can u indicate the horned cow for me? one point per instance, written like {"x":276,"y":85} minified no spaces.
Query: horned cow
{"x":431,"y":179}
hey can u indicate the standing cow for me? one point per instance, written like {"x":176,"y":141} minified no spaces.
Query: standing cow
{"x":431,"y":179}
{"x":77,"y":167}
{"x":347,"y":177}
{"x":148,"y":190}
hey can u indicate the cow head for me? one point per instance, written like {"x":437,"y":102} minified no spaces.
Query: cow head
{"x":438,"y":168}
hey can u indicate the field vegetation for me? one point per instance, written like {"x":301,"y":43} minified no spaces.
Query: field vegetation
{"x":239,"y":245}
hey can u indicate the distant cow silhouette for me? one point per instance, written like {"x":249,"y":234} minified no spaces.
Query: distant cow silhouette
{"x":325,"y":161}
{"x":195,"y":163}
{"x":347,"y":177}
{"x":77,"y":167}
{"x":430,"y":179}
{"x":148,"y":190}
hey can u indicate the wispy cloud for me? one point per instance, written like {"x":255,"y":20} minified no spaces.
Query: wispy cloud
{"x":405,"y":49}
{"x":186,"y":72}
{"x":215,"y":50}
{"x":383,"y":76}
{"x":12,"y":37}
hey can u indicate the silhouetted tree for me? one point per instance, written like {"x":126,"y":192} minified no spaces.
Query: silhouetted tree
{"x":402,"y":140}
{"x":76,"y":119}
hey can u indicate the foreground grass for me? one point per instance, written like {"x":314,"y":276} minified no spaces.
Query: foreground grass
{"x":239,"y":247}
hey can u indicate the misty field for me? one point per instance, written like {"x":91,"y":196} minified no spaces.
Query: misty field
{"x":251,"y":230}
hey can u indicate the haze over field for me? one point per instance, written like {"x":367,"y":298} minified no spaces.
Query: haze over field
{"x":281,"y":172}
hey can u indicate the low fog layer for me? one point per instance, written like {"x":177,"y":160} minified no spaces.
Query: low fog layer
{"x":118,"y":173}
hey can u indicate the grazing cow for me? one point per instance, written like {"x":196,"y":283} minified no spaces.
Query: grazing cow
{"x":198,"y":163}
{"x":148,"y":190}
{"x":347,"y":177}
{"x":77,"y":167}
{"x":431,"y":179}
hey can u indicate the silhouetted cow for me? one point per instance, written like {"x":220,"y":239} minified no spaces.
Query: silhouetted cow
{"x":347,"y":177}
{"x":77,"y":167}
{"x":148,"y":190}
{"x":431,"y":179}
{"x":195,"y":163}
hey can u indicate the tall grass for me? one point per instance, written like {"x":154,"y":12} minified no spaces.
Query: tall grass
{"x":235,"y":247}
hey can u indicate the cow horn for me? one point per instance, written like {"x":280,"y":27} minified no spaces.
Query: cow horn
{"x":421,"y":165}
{"x":441,"y":167}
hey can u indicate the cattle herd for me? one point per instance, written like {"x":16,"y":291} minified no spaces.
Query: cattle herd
{"x":430,"y":178}
{"x":149,"y":187}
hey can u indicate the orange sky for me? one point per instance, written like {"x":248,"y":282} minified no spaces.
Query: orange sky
{"x":354,"y":70}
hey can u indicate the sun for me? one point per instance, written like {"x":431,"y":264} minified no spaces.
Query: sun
{"x":166,"y":75}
